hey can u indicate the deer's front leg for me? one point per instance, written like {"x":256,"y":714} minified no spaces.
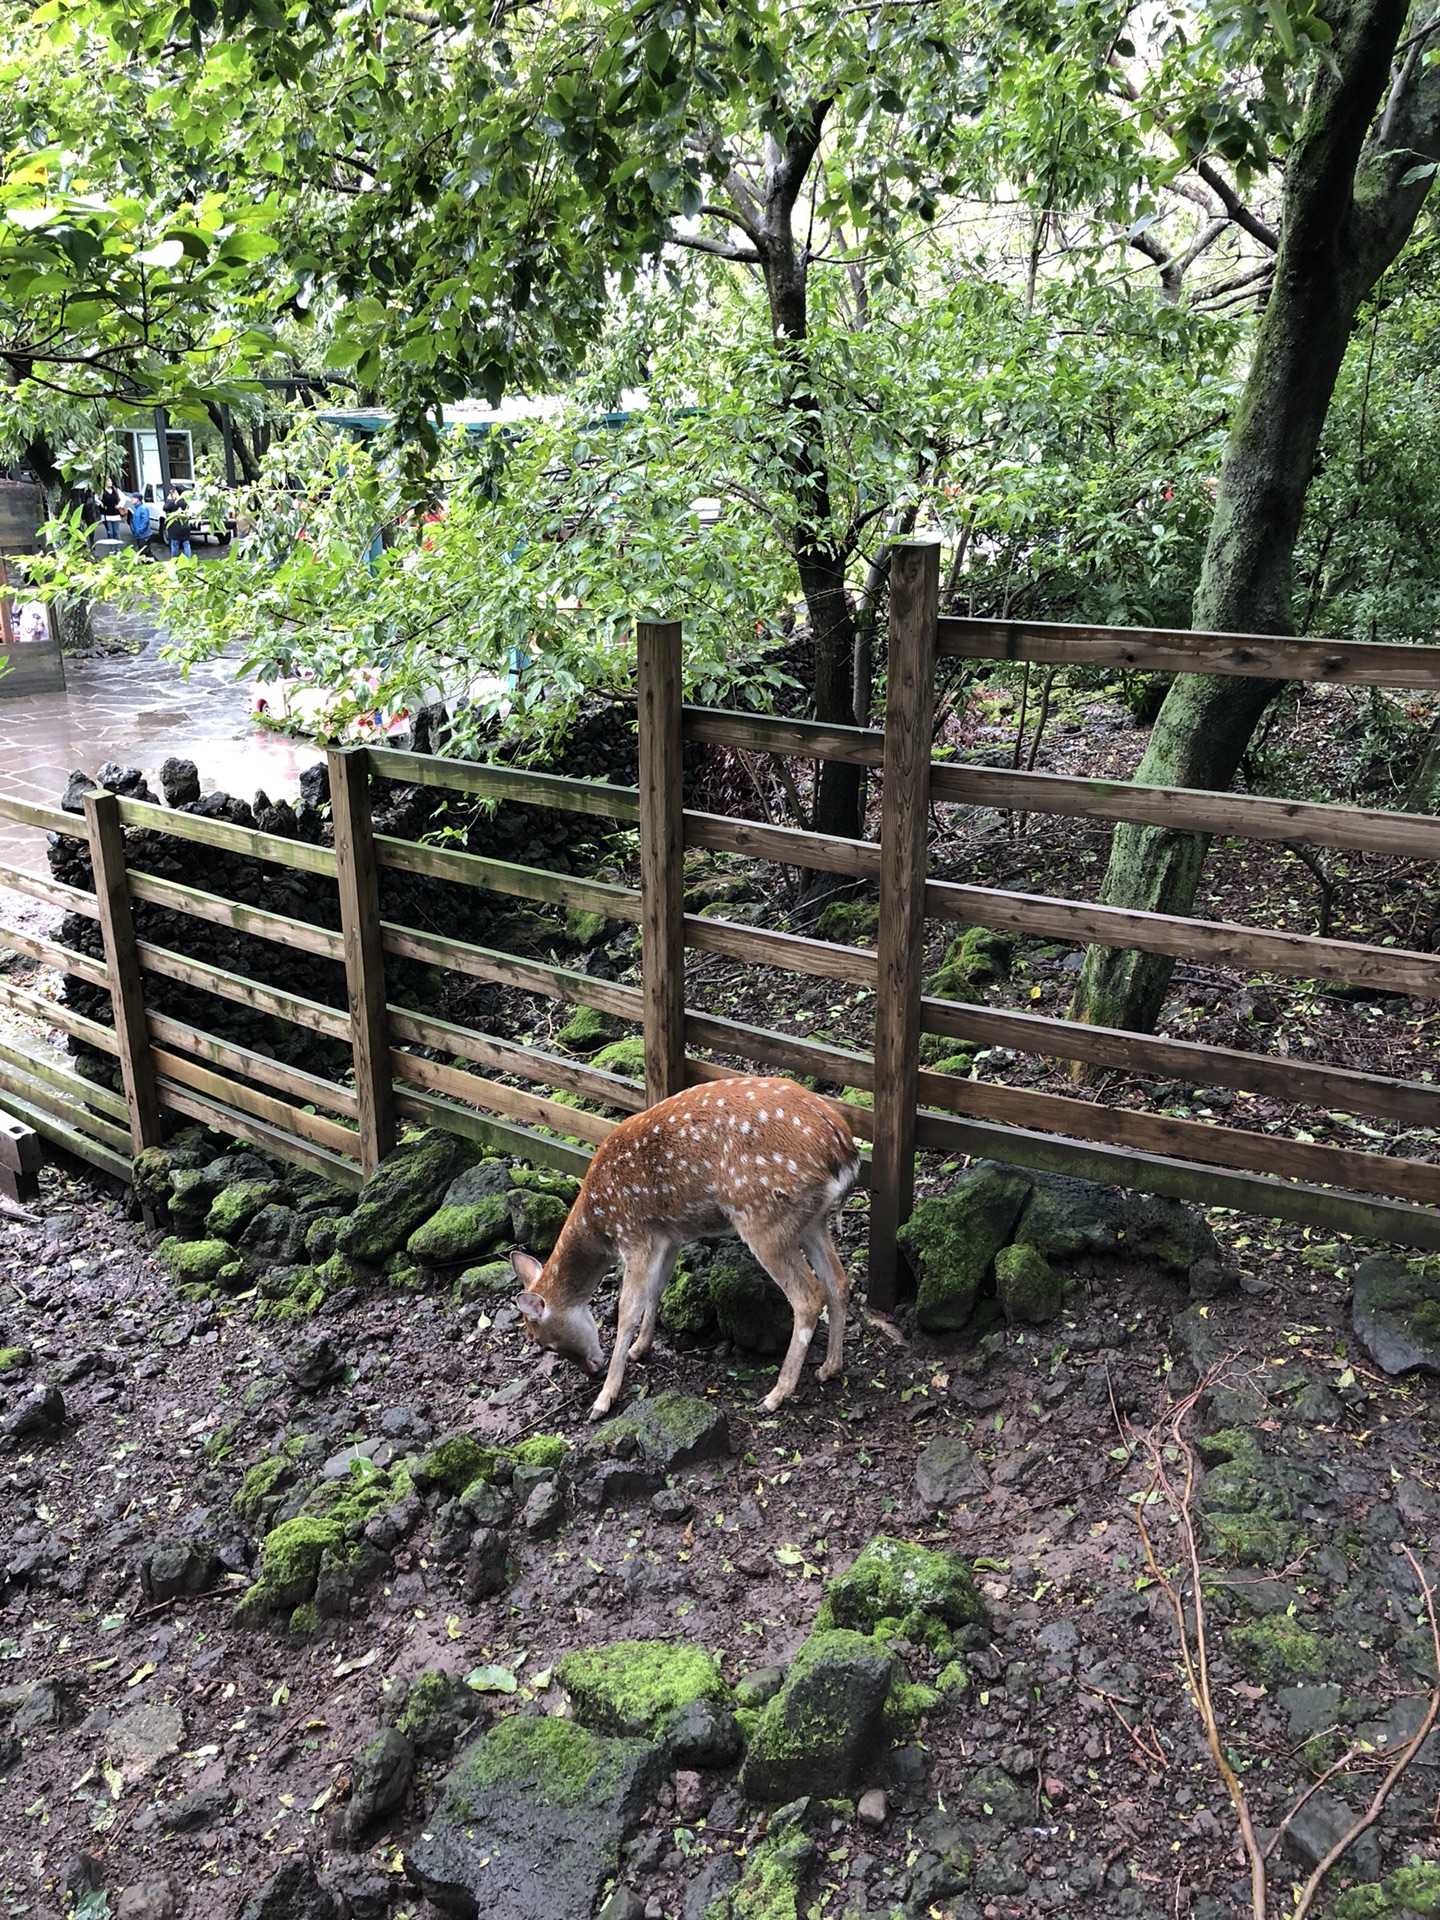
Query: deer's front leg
{"x":639,"y":1267}
{"x":661,"y":1278}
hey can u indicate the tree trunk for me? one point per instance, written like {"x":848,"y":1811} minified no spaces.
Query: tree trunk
{"x":819,"y":557}
{"x":1345,"y":215}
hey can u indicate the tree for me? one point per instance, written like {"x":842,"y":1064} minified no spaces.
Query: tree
{"x":1356,"y":177}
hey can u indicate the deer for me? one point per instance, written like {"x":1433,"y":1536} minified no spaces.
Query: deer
{"x":761,"y":1156}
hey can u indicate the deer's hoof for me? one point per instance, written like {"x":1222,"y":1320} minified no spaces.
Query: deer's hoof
{"x":601,"y":1407}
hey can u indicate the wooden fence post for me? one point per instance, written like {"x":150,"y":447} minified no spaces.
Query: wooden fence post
{"x":662,"y":855}
{"x":357,"y":874}
{"x":904,"y":818}
{"x":122,"y":965}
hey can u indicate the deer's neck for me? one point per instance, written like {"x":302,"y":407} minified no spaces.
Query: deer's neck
{"x":578,"y":1262}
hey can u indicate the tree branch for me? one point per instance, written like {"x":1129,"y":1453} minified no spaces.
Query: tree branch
{"x":697,"y":243}
{"x":1235,"y":208}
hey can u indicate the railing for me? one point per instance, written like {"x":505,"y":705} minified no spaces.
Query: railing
{"x":168,"y":1065}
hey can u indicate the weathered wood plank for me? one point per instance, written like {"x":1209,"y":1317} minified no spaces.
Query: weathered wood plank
{"x":904,"y":824}
{"x":1303,"y":1082}
{"x":1251,"y":949}
{"x":508,"y":783}
{"x":781,"y":1052}
{"x":508,"y":1056}
{"x":1412,"y":836}
{"x":796,"y":739}
{"x":503,"y":876}
{"x":764,"y":947}
{"x":48,"y":819}
{"x":1198,"y":1140}
{"x":663,"y":923}
{"x":55,"y":893}
{"x":122,"y":965}
{"x":308,"y":1088}
{"x":45,"y":1099}
{"x":497,"y":1136}
{"x":1323,"y":1207}
{"x":1266,"y":656}
{"x":50,"y":953}
{"x":70,"y":1139}
{"x":364,"y":948}
{"x":74,"y":1085}
{"x":244,"y":1126}
{"x":50,"y":1013}
{"x":273,"y":847}
{"x":245,"y":993}
{"x":302,"y":935}
{"x":459,"y":1084}
{"x":264,"y":1106}
{"x":789,"y":846}
{"x":507,"y":969}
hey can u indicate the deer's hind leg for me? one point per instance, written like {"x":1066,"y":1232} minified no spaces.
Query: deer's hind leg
{"x":830,"y":1272}
{"x":778,"y":1251}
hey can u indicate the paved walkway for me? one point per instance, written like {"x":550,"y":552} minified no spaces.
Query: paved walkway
{"x":138,"y":710}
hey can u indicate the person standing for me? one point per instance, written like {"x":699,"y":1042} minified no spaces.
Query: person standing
{"x":110,"y":504}
{"x":177,"y":526}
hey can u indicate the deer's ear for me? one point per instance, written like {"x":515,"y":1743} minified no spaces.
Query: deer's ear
{"x":532,"y":1307}
{"x":526,"y":1268}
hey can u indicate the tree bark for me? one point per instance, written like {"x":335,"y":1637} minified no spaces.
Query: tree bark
{"x":820,"y":558}
{"x":1344,"y":217}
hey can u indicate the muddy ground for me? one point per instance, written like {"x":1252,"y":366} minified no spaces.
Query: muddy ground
{"x":1073,"y":1766}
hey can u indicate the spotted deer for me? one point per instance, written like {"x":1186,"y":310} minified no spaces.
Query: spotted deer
{"x":763,"y":1157}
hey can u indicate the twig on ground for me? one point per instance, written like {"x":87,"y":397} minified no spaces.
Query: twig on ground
{"x":1155,"y":1755}
{"x":1314,"y":1787}
{"x":1402,"y":1761}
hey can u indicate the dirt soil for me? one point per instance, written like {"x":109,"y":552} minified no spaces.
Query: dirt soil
{"x":1073,"y":1765}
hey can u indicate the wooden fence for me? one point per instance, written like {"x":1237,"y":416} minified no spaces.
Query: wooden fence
{"x":170,"y":1066}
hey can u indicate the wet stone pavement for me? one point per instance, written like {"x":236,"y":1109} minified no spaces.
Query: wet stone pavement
{"x":136,"y":709}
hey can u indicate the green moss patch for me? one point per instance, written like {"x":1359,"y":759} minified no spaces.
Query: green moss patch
{"x":200,"y":1262}
{"x":625,"y":1057}
{"x":559,"y":1761}
{"x":1029,"y":1289}
{"x":456,"y":1234}
{"x":952,"y":1241}
{"x":266,"y":1480}
{"x":233,"y":1208}
{"x":1249,"y":1508}
{"x":586,"y":1030}
{"x":1278,"y":1652}
{"x":403,"y":1191}
{"x":849,"y":923}
{"x":897,"y":1588}
{"x":634,"y":1686}
{"x":13,"y":1359}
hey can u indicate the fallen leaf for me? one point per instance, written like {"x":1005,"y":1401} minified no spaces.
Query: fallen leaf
{"x":490,"y":1680}
{"x":141,"y":1673}
{"x":353,"y":1666}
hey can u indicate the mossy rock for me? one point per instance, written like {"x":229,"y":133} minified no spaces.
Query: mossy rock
{"x":200,"y":1262}
{"x":560,"y":1186}
{"x":320,"y":1236}
{"x":289,"y":1293}
{"x":953,"y":978}
{"x":686,"y":1305}
{"x":849,"y":923}
{"x":960,"y":1064}
{"x":403,"y":1191}
{"x":749,"y":1308}
{"x":1417,"y":1887}
{"x":952,"y":1239}
{"x":626,"y":1057}
{"x":894,"y":1586}
{"x":266,"y":1481}
{"x":586,"y":1030}
{"x":635,"y":1686}
{"x":14,"y":1359}
{"x":274,"y":1237}
{"x":233,"y":1208}
{"x":1029,"y":1289}
{"x":290,"y":1559}
{"x":1067,"y":1217}
{"x":536,"y":1220}
{"x":450,"y":1466}
{"x":587,"y":929}
{"x":541,"y":1454}
{"x":980,"y":955}
{"x":438,"y":1707}
{"x":670,"y":1430}
{"x":774,"y":1871}
{"x":337,"y":1272}
{"x":531,"y":1817}
{"x":827,"y":1723}
{"x":1396,"y":1315}
{"x":483,"y":1283}
{"x":1278,"y":1651}
{"x":457,"y":1233}
{"x":1249,"y":1508}
{"x":480,"y":1182}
